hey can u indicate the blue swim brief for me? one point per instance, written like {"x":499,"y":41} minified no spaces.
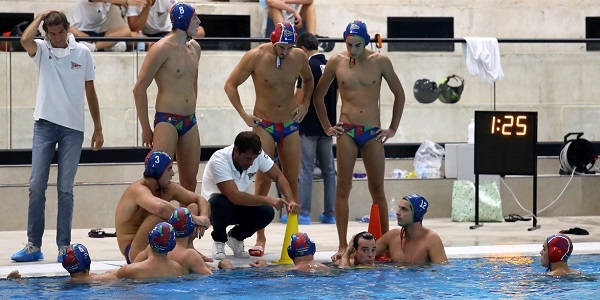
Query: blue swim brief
{"x":183,"y":124}
{"x":360,"y":133}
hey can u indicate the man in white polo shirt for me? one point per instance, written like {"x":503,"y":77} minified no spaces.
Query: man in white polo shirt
{"x":227,"y":176}
{"x":65,"y":79}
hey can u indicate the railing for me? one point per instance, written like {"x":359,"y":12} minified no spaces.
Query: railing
{"x":556,"y":77}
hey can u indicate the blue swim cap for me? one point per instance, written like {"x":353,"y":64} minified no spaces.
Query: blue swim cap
{"x":301,"y":245}
{"x":181,"y":16}
{"x":418,"y":204}
{"x":156,"y":163}
{"x":162,"y":238}
{"x":182,"y":222}
{"x":284,"y":33}
{"x":359,"y":29}
{"x":76,"y":258}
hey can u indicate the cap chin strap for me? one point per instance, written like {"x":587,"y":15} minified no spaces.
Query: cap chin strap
{"x":278,"y":63}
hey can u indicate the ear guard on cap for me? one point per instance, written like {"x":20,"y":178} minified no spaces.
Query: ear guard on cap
{"x":284,"y":33}
{"x":426,"y":91}
{"x":181,"y":16}
{"x":76,"y":258}
{"x":451,"y":94}
{"x":182,"y":222}
{"x":301,"y":245}
{"x":419,"y":206}
{"x":162,"y":238}
{"x":156,"y":163}
{"x":560,"y":247}
{"x":357,"y":28}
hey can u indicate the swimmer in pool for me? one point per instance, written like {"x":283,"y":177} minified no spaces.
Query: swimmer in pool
{"x":555,"y":253}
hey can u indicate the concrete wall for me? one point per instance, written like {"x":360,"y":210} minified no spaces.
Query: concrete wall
{"x":99,"y":188}
{"x":557,"y":80}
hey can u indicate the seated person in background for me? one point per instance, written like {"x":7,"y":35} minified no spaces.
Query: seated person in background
{"x":88,"y":16}
{"x":146,"y":202}
{"x":555,"y":252}
{"x":190,"y":260}
{"x":76,"y":260}
{"x":301,"y":13}
{"x":227,"y":177}
{"x":413,"y":243}
{"x":153,"y":19}
{"x":161,"y":240}
{"x":360,"y":252}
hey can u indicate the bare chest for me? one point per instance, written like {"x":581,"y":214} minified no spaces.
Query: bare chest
{"x":409,"y":252}
{"x":181,"y":64}
{"x":268,"y":73}
{"x":357,"y":76}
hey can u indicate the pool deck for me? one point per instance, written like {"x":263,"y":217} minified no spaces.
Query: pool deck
{"x":492,"y":239}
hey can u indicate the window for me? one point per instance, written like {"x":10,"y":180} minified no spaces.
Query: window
{"x":421,"y":27}
{"x":225,"y":26}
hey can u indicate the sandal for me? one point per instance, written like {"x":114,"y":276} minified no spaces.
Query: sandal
{"x":257,"y":250}
{"x":100,"y":233}
{"x":515,"y":217}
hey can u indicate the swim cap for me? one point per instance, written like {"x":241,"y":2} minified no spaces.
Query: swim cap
{"x":359,"y":29}
{"x":162,"y":238}
{"x":560,"y":247}
{"x":156,"y":163}
{"x":182,"y":222}
{"x":76,"y":258}
{"x":301,"y":245}
{"x":284,"y":33}
{"x":418,"y":204}
{"x":181,"y":16}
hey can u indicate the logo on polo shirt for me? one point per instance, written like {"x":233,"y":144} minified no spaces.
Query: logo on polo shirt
{"x":75,"y":65}
{"x":251,"y":175}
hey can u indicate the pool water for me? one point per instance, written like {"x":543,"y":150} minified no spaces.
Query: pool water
{"x":482,"y":278}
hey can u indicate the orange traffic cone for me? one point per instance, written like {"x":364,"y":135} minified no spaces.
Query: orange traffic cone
{"x":375,"y":230}
{"x":291,"y":228}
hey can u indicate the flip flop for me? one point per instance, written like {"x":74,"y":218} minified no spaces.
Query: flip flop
{"x":515,"y":217}
{"x":257,"y":250}
{"x":100,"y":233}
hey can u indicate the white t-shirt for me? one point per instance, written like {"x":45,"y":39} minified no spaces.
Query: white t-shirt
{"x":88,"y":16}
{"x":220,"y":168}
{"x":61,"y":83}
{"x":158,"y":17}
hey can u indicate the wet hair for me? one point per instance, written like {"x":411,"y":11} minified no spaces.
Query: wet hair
{"x":365,"y":235}
{"x":248,"y":141}
{"x":308,"y":41}
{"x":55,"y":18}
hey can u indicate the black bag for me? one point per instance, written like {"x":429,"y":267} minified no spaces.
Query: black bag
{"x":18,"y":31}
{"x":577,"y":154}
